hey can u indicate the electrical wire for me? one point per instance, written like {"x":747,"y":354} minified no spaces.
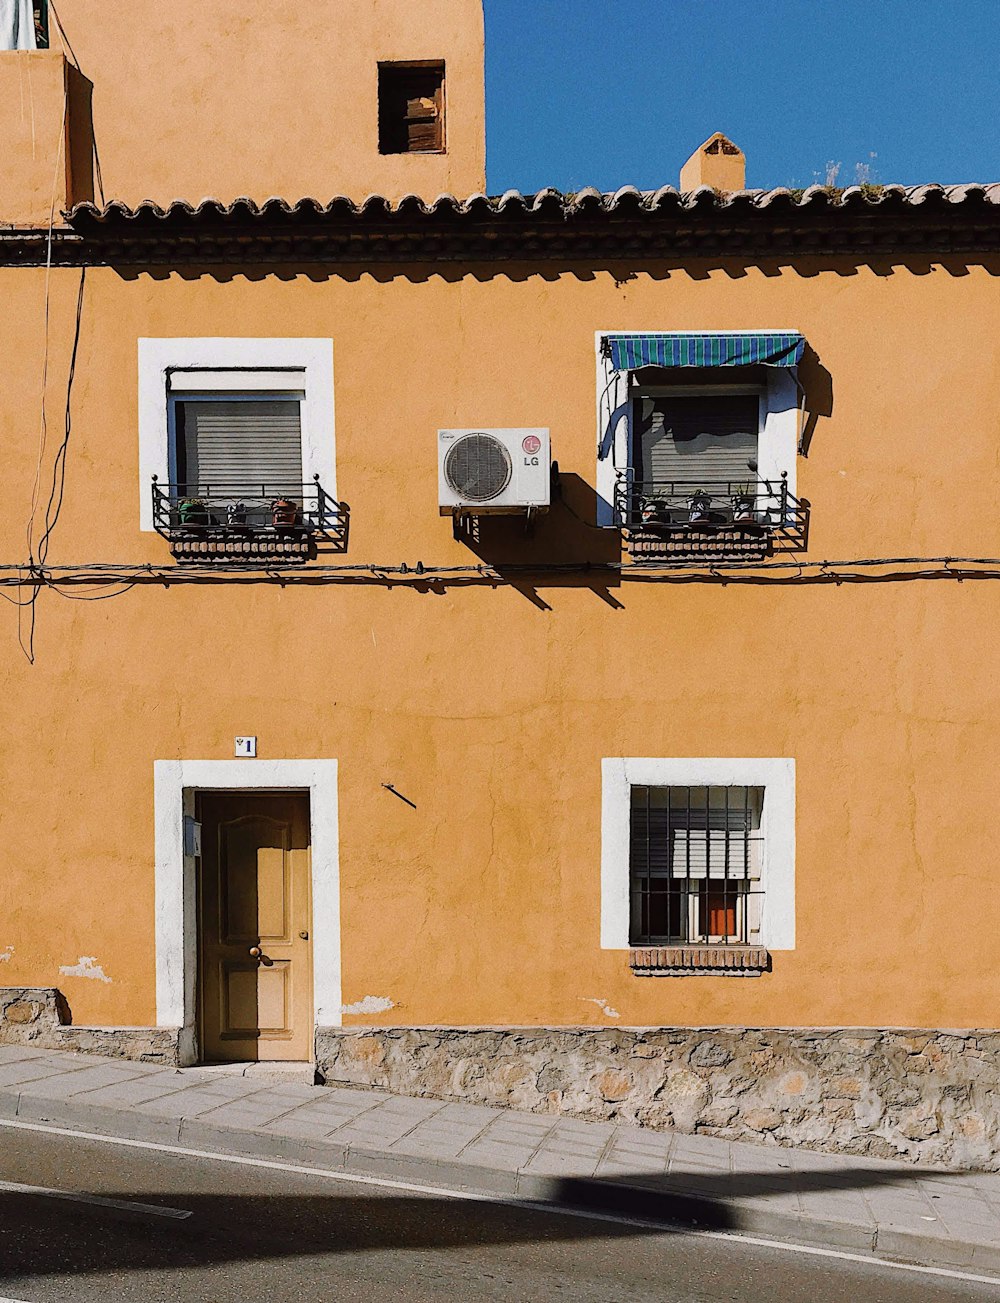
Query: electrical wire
{"x":43,"y":423}
{"x":54,"y":503}
{"x":129,"y":575}
{"x":122,"y":589}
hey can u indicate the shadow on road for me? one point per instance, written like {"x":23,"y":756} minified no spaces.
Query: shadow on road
{"x":39,"y":1236}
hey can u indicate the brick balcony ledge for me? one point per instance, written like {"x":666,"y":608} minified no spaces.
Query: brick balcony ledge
{"x":667,"y":961}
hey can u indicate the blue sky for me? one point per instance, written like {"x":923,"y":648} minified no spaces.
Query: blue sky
{"x":609,"y":92}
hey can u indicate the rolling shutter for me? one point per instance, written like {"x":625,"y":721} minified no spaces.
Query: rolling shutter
{"x":252,"y":446}
{"x":700,"y":438}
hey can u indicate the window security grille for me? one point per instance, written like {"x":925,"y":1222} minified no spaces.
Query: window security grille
{"x":695,"y":856}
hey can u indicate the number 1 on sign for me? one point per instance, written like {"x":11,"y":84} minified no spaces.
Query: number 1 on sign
{"x":245,"y":747}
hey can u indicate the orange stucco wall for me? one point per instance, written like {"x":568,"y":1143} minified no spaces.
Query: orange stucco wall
{"x":490,"y":707}
{"x":35,"y":175}
{"x":256,"y":98}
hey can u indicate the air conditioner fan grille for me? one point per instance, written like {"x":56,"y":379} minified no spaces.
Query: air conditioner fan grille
{"x":478,"y":467}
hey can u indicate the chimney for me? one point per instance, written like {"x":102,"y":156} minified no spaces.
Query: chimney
{"x":718,"y":163}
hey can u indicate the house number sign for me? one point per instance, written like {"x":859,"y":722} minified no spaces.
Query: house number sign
{"x":245,"y":748}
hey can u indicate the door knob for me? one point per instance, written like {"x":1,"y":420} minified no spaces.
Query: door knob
{"x":255,"y":952}
{"x":304,"y":936}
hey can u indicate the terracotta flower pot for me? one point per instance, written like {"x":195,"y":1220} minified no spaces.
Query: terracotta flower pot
{"x":284,"y":513}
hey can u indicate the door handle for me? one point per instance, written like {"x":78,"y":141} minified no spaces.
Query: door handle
{"x":255,"y":952}
{"x":304,"y":936}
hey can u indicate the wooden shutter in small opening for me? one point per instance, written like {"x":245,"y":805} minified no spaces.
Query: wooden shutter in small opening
{"x":411,"y":109}
{"x":697,"y":438}
{"x":253,"y":447}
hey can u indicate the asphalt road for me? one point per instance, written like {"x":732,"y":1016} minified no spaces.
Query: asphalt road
{"x":263,"y":1234}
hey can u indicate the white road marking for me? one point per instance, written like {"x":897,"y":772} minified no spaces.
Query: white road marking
{"x":11,"y":1300}
{"x":560,"y":1210}
{"x":73,"y":1196}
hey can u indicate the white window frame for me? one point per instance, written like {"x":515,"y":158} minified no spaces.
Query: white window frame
{"x":776,"y":775}
{"x":777,"y":439}
{"x":237,"y":363}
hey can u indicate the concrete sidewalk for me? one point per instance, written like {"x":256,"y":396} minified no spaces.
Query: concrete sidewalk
{"x":932,"y":1217}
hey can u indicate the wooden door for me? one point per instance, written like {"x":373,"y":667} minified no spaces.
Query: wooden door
{"x":255,"y":927}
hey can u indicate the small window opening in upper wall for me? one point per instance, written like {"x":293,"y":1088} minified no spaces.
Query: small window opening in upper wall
{"x":411,"y":108}
{"x":42,"y":24}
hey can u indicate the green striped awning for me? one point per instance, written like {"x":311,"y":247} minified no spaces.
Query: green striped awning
{"x":630,"y":352}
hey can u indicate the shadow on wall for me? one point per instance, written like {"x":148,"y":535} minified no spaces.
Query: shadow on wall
{"x":565,"y":535}
{"x":84,"y":163}
{"x":548,"y":269}
{"x":817,"y":388}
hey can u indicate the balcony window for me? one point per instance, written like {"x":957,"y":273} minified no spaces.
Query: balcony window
{"x":693,"y":485}
{"x":236,"y":437}
{"x":697,"y":444}
{"x":237,"y":489}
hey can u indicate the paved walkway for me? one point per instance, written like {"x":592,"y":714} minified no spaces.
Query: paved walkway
{"x":946,"y":1219}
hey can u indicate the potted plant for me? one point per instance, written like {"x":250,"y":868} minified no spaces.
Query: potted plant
{"x":744,"y":504}
{"x":284,"y":513}
{"x":700,"y":508}
{"x":192,"y":513}
{"x":654,"y":514}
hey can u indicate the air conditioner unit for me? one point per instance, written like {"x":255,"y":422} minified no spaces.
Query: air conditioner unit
{"x":489,"y":472}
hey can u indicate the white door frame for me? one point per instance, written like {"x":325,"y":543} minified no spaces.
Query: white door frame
{"x":175,"y":783}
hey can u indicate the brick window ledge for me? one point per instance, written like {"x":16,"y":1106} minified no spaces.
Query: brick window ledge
{"x":681,"y":961}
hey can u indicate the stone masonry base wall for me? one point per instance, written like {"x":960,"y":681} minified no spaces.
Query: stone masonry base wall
{"x":923,"y":1096}
{"x":38,"y":1016}
{"x":918,"y":1096}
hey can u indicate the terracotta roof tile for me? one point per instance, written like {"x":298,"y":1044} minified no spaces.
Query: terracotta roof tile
{"x":553,"y":202}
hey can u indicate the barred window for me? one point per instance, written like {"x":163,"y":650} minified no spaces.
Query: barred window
{"x":695,"y":865}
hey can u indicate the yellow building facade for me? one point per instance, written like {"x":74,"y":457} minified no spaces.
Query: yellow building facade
{"x":579,"y":771}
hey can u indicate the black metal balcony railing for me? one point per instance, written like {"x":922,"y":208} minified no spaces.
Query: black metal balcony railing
{"x":711,"y":519}
{"x":248,"y":521}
